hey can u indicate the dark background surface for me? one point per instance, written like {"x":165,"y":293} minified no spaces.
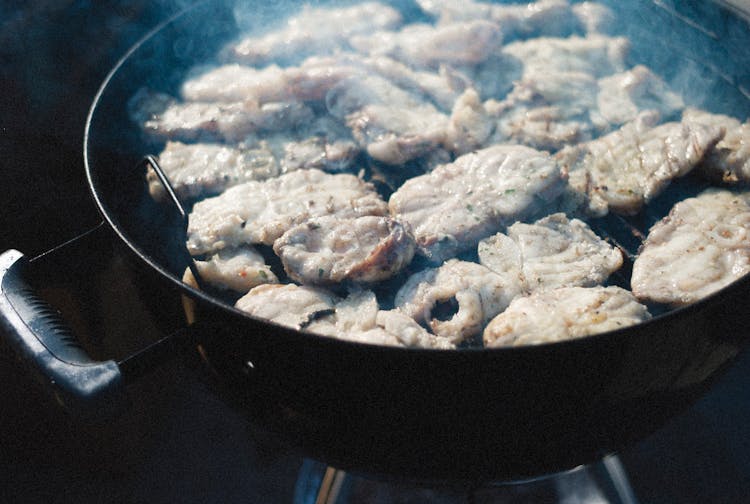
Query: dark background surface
{"x":178,"y":442}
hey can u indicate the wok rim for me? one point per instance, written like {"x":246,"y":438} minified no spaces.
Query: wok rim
{"x":667,"y":317}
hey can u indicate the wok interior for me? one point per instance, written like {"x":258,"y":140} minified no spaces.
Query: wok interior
{"x":518,"y":419}
{"x":695,"y":48}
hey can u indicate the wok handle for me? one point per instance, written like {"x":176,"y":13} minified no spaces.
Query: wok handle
{"x":45,"y":345}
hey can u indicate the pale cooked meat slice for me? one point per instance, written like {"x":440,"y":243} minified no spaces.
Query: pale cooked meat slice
{"x":552,"y":252}
{"x":442,"y":87}
{"x":546,"y":111}
{"x":624,"y":170}
{"x":428,"y":46}
{"x":234,"y":83}
{"x":470,"y":124}
{"x":729,"y":161}
{"x":289,"y":305}
{"x":260,"y":212}
{"x":408,"y":332}
{"x":473,"y":291}
{"x":595,"y":55}
{"x":624,"y":95}
{"x":453,"y":207}
{"x":314,"y":31}
{"x":563,"y":314}
{"x":594,"y":17}
{"x":325,"y":144}
{"x":330,"y":250}
{"x":164,"y":118}
{"x":356,"y":313}
{"x":495,"y":77}
{"x":700,"y":247}
{"x":552,"y":109}
{"x":204,"y":169}
{"x":319,"y":152}
{"x":544,"y":17}
{"x":393,"y":125}
{"x":238,"y":269}
{"x":358,"y":318}
{"x":318,"y":74}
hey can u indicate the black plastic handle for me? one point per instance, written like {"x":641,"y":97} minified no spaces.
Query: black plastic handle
{"x":40,"y":339}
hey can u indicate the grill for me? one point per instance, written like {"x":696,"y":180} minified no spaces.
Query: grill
{"x":619,"y":232}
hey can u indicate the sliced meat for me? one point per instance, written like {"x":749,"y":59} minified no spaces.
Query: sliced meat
{"x":470,"y":125}
{"x":324,"y":143}
{"x":550,"y":109}
{"x":700,"y":247}
{"x":624,"y":170}
{"x":453,"y":207}
{"x":234,"y":83}
{"x":494,"y":77}
{"x":442,"y":87}
{"x":594,"y":17}
{"x":238,"y":269}
{"x":457,"y":299}
{"x":547,"y":111}
{"x":314,"y":31}
{"x":624,"y":95}
{"x":321,"y":153}
{"x":328,"y":250}
{"x":428,"y":46}
{"x":196,"y":170}
{"x":563,"y":314}
{"x":544,"y":17}
{"x":260,"y":212}
{"x":392,"y":124}
{"x":595,"y":55}
{"x":550,"y":253}
{"x":164,"y":118}
{"x":352,"y":315}
{"x":408,"y":332}
{"x":289,"y":305}
{"x":358,"y":318}
{"x":729,"y":161}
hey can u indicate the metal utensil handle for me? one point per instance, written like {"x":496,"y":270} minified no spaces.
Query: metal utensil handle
{"x":153,"y":162}
{"x":40,"y":339}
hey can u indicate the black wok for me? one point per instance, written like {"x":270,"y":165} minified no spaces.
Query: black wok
{"x":471,"y":415}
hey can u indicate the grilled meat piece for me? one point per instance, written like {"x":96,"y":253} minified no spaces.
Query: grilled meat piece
{"x":329,"y":250}
{"x":453,"y":207}
{"x":392,"y":124}
{"x":289,"y":305}
{"x":475,"y":293}
{"x":260,"y":212}
{"x":541,"y":18}
{"x":546,"y":112}
{"x":238,"y":269}
{"x":428,"y":46}
{"x":550,"y":253}
{"x":470,"y":125}
{"x":408,"y":332}
{"x":627,"y":168}
{"x":562,"y":314}
{"x":622,"y":96}
{"x":203,"y":169}
{"x":164,"y":118}
{"x":595,"y":55}
{"x":729,"y":161}
{"x":700,"y":247}
{"x":358,"y":318}
{"x":314,"y":31}
{"x":594,"y":17}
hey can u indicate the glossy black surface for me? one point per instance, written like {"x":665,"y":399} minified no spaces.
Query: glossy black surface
{"x":472,"y":415}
